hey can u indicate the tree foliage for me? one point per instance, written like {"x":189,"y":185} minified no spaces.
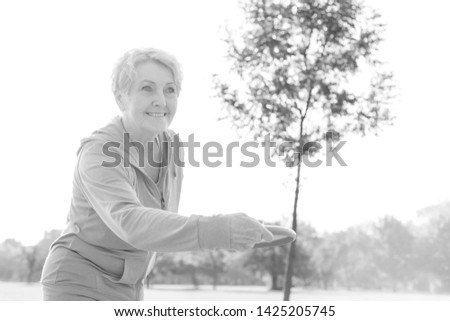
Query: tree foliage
{"x":298,"y":62}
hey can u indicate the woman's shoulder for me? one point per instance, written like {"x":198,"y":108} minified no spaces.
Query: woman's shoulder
{"x":98,"y":153}
{"x":100,"y":162}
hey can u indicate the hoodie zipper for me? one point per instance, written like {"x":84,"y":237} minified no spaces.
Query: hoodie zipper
{"x":161,"y":176}
{"x":163,"y":202}
{"x":152,"y":185}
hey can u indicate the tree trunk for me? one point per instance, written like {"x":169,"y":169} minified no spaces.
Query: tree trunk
{"x":215,"y":270}
{"x":31,"y":260}
{"x":274,"y":277}
{"x":30,"y":276}
{"x":291,"y":255}
{"x":194,"y":278}
{"x":349,"y":286}
{"x":214,"y":277}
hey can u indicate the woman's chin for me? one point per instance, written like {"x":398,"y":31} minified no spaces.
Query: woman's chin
{"x":157,"y":126}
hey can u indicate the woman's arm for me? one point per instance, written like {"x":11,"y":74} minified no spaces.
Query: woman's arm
{"x":112,"y":196}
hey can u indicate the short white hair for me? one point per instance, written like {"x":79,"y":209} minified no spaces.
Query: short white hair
{"x":124,"y":71}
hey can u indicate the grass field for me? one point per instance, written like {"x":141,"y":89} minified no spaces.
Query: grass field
{"x":12,"y":291}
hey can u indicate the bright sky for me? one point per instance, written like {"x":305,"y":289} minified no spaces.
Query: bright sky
{"x":55,"y":65}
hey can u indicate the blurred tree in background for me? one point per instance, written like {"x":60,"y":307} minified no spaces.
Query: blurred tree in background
{"x":326,"y":259}
{"x":435,"y":244}
{"x":268,"y":260}
{"x":12,"y":263}
{"x":24,"y":263}
{"x":356,"y":263}
{"x":298,"y":66}
{"x":31,"y":257}
{"x":394,"y":251}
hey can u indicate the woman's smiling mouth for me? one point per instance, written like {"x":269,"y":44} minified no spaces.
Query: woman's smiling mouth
{"x":156,"y":114}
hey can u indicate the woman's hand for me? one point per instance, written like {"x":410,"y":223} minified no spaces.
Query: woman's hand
{"x":245,"y":232}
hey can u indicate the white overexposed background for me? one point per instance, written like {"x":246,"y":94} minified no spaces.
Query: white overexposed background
{"x":55,"y":63}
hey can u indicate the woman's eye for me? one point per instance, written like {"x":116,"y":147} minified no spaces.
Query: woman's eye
{"x":171,"y":90}
{"x":147,"y":88}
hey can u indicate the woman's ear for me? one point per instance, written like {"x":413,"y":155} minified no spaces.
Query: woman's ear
{"x":120,"y":101}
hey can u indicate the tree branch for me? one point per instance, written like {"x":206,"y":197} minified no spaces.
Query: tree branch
{"x":308,"y":101}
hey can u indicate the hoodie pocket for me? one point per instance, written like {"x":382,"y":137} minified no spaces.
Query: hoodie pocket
{"x":132,"y":272}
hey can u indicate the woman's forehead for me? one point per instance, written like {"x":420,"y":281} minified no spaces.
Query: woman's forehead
{"x":153,"y":72}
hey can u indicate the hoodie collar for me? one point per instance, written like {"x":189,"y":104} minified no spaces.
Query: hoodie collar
{"x":115,"y":131}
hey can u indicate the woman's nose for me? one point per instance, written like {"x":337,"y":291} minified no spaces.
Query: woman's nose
{"x":159,"y":100}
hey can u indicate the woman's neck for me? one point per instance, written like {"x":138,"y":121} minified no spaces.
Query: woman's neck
{"x":136,"y":135}
{"x":149,"y":140}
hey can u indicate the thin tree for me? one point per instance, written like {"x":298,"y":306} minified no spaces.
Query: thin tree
{"x":297,"y":66}
{"x":31,"y":256}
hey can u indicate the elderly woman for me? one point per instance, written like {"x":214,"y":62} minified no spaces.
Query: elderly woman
{"x":125,"y":200}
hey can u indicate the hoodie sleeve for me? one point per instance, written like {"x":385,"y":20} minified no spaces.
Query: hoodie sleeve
{"x":112,"y":196}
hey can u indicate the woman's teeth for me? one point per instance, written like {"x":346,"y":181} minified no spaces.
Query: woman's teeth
{"x":156,"y":114}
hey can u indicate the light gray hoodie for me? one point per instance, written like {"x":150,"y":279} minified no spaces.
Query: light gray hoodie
{"x":119,"y":218}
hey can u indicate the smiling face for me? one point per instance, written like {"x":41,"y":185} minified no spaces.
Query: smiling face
{"x":151,"y":103}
